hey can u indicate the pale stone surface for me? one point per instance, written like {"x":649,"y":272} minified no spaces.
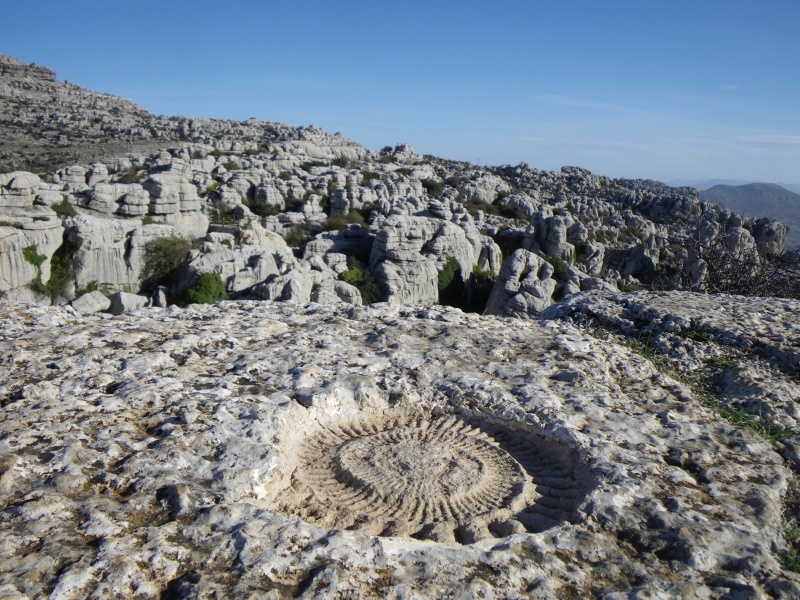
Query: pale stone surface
{"x":157,"y":453}
{"x":91,"y":302}
{"x":122,"y":302}
{"x":743,"y":350}
{"x":524,"y":288}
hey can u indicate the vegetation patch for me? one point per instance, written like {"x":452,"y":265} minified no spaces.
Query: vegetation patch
{"x":163,"y":256}
{"x":479,"y":288}
{"x":32,"y":256}
{"x":339,"y":222}
{"x":698,"y":335}
{"x":208,"y":289}
{"x":560,"y":267}
{"x":369,"y":176}
{"x":211,"y":188}
{"x":359,"y":276}
{"x":306,"y":166}
{"x":260,"y":209}
{"x":452,"y":290}
{"x":60,"y":269}
{"x":64,"y":209}
{"x":342,"y":162}
{"x":298,"y":236}
{"x":133,"y":174}
{"x":433,"y":187}
{"x":92,"y":286}
{"x":292,"y":203}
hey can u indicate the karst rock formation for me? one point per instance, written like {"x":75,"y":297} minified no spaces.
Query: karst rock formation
{"x":428,"y":379}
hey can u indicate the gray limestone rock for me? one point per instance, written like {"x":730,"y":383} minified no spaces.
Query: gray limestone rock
{"x":524,"y":287}
{"x":15,"y":271}
{"x":122,"y":302}
{"x":91,"y":302}
{"x":197,"y":451}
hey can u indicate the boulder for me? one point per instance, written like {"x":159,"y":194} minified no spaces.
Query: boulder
{"x":122,"y":302}
{"x":770,"y":236}
{"x":524,"y":288}
{"x":408,"y":252}
{"x":261,"y":255}
{"x":103,"y":254}
{"x":91,"y":302}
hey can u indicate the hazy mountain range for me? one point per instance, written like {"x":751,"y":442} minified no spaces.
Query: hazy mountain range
{"x":704,"y":184}
{"x":760,"y":200}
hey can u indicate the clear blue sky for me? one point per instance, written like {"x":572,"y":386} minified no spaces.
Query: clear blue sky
{"x":627,"y":89}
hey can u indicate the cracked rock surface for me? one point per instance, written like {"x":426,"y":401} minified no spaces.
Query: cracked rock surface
{"x":178,"y":452}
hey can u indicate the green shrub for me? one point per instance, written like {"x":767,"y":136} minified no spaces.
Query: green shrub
{"x":64,"y":209}
{"x":560,"y":267}
{"x":211,"y":188}
{"x":208,"y":289}
{"x":341,"y":161}
{"x":369,"y":176}
{"x":306,"y":166}
{"x":698,"y":335}
{"x":298,"y":236}
{"x":293,"y":203}
{"x":92,"y":286}
{"x":163,"y":256}
{"x":452,"y":290}
{"x":332,"y":187}
{"x":479,"y":289}
{"x":359,"y":276}
{"x":434,"y":187}
{"x":366,"y":210}
{"x":60,"y":268}
{"x":339,"y":222}
{"x":260,"y":209}
{"x":32,"y":256}
{"x":583,"y":251}
{"x":455,"y":180}
{"x":134,"y":174}
{"x":230,"y":165}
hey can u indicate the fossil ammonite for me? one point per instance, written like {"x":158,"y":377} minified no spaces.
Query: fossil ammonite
{"x":440,"y":478}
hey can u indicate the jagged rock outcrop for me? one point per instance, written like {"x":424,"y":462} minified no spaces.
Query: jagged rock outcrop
{"x":300,"y":182}
{"x":17,"y":272}
{"x":261,"y":254}
{"x":524,"y":288}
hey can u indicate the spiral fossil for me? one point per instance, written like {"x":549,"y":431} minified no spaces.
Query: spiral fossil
{"x":442,"y":479}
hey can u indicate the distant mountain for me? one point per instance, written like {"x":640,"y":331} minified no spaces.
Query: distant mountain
{"x":704,"y":184}
{"x":760,"y":200}
{"x":792,"y":187}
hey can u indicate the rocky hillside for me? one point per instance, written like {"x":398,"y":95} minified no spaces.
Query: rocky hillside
{"x":274,"y":211}
{"x":46,"y":124}
{"x":761,"y":200}
{"x":343,"y":426}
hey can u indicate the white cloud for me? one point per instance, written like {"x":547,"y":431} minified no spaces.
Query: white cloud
{"x":770,"y":139}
